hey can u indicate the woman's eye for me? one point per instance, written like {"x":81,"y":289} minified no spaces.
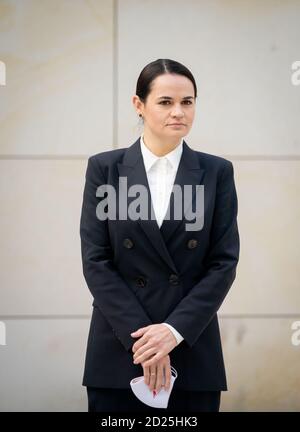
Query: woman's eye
{"x":164,"y":102}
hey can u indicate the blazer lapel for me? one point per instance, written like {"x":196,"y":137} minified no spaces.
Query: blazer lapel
{"x":189,"y":172}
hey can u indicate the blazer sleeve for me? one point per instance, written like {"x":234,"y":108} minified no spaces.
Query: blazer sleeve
{"x":112,"y":295}
{"x":194,"y":312}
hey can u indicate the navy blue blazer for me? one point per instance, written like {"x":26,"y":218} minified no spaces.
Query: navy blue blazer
{"x":140,"y":274}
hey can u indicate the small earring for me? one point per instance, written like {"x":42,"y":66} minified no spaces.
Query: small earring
{"x":140,"y":115}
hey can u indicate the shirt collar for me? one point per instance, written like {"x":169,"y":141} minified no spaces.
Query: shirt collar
{"x":150,"y":158}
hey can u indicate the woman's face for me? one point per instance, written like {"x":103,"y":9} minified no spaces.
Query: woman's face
{"x":170,"y":101}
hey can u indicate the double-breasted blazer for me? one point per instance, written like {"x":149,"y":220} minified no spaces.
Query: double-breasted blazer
{"x":140,"y":274}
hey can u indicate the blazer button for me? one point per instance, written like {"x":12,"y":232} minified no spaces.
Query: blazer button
{"x":192,"y":243}
{"x":140,"y":281}
{"x":173,"y":279}
{"x":128,"y":243}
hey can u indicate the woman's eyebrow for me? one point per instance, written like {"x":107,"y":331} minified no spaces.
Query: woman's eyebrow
{"x":170,"y":98}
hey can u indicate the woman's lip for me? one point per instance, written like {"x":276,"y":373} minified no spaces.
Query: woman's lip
{"x":176,"y":124}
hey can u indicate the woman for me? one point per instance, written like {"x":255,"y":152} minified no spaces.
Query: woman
{"x":158,"y":279}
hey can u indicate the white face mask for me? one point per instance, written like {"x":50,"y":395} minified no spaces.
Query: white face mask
{"x":145,"y":395}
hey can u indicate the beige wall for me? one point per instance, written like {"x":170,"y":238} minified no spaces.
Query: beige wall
{"x":71,"y":71}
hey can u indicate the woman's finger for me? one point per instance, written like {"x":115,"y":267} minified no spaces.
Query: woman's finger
{"x":146,"y":374}
{"x":168,"y":374}
{"x":154,"y":359}
{"x":143,"y":357}
{"x":140,"y":350}
{"x":153,"y":375}
{"x":159,"y":376}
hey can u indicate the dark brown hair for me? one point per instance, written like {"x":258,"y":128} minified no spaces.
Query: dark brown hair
{"x":156,"y":68}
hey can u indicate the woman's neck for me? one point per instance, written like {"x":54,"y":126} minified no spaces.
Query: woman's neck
{"x":159,"y":147}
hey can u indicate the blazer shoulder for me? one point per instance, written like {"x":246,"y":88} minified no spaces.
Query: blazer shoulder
{"x":213,"y":162}
{"x":108,"y":156}
{"x":106,"y":160}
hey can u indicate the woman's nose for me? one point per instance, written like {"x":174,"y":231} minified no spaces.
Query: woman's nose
{"x":177,"y":112}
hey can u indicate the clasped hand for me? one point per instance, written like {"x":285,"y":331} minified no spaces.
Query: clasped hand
{"x":155,"y":342}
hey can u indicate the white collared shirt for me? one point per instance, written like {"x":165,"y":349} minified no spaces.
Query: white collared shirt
{"x":161,"y":173}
